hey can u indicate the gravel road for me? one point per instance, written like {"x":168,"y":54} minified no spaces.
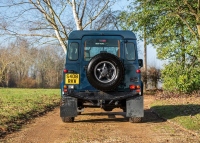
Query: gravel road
{"x":98,"y":126}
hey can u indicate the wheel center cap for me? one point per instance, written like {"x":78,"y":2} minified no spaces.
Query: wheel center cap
{"x":104,"y":71}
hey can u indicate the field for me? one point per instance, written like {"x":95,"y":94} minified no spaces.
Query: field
{"x":17,"y":106}
{"x":183,"y":111}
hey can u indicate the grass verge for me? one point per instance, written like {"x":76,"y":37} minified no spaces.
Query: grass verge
{"x":182,"y":111}
{"x":17,"y":106}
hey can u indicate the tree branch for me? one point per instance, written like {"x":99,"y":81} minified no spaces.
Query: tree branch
{"x":184,"y":21}
{"x":192,"y":11}
{"x":83,"y":10}
{"x":93,"y":18}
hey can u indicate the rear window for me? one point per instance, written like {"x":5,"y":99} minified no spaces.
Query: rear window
{"x":95,"y":46}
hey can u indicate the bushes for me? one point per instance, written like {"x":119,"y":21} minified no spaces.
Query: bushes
{"x":152,"y":77}
{"x":27,"y":83}
{"x":181,"y":78}
{"x":176,"y":77}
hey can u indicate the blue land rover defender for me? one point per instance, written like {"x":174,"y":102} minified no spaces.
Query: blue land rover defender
{"x":102,"y":69}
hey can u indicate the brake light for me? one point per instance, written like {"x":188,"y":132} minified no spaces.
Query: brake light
{"x":65,"y":71}
{"x":138,"y":71}
{"x":132,"y":87}
{"x":103,"y":41}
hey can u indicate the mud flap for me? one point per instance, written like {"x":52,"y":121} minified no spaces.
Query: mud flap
{"x":134,"y":107}
{"x":68,"y":107}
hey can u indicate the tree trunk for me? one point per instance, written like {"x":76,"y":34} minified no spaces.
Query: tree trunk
{"x":198,"y":29}
{"x":183,"y":50}
{"x":145,"y":62}
{"x":197,"y":18}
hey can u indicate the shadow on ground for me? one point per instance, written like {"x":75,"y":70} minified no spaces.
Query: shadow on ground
{"x":120,"y":117}
{"x":172,"y":111}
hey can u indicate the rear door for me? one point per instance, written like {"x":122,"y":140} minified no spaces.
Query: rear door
{"x":93,"y":45}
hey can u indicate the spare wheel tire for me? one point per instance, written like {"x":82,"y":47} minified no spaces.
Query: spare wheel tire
{"x":105,"y":71}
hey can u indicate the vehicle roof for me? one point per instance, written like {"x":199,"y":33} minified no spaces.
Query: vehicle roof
{"x":78,"y":34}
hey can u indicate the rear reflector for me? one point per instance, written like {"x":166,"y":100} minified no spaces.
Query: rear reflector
{"x":138,"y":90}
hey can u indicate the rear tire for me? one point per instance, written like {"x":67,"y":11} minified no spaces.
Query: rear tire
{"x":135,"y":119}
{"x":124,"y":109}
{"x":67,"y":119}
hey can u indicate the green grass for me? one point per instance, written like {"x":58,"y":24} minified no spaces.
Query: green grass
{"x":19,"y":105}
{"x":183,"y":111}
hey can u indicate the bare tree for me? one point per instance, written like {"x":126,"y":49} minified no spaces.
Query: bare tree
{"x":51,"y":19}
{"x":22,"y":59}
{"x":108,"y":21}
{"x":6,"y":60}
{"x":87,"y":11}
{"x":49,"y":64}
{"x":24,"y":66}
{"x":153,"y":76}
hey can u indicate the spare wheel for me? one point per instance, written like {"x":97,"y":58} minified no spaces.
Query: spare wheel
{"x":105,"y":71}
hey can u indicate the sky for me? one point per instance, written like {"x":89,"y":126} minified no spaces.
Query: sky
{"x":151,"y":51}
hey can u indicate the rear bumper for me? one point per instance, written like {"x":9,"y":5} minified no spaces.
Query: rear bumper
{"x":115,"y":96}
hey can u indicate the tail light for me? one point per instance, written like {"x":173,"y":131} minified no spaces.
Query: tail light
{"x":138,"y":71}
{"x":132,"y":87}
{"x":138,"y":88}
{"x":65,"y":71}
{"x":65,"y":88}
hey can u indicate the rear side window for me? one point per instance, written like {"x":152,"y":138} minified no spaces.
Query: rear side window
{"x":73,"y":52}
{"x":130,"y":51}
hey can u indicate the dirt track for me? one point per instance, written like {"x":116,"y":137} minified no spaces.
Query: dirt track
{"x":98,"y":126}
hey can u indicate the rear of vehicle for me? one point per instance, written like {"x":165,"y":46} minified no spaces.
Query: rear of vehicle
{"x":102,"y":70}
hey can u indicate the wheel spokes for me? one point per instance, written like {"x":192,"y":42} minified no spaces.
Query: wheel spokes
{"x":105,"y":72}
{"x":100,"y":77}
{"x":99,"y":70}
{"x":109,"y":76}
{"x":104,"y":65}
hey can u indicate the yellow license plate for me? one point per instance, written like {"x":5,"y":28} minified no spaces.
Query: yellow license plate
{"x":72,"y":78}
